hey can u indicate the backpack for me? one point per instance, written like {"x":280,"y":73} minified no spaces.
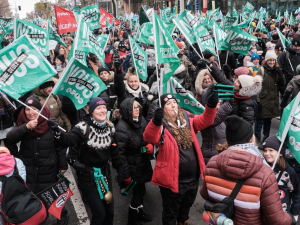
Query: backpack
{"x":19,"y":205}
{"x":226,"y":206}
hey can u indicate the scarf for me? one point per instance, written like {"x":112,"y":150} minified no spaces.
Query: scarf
{"x":251,"y":148}
{"x":238,"y":97}
{"x":42,"y":126}
{"x":135,"y":93}
{"x":101,"y":125}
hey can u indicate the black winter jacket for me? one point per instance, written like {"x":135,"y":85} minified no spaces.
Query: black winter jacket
{"x":219,"y":76}
{"x":231,"y":61}
{"x":92,"y":148}
{"x":40,"y":155}
{"x":130,"y":140}
{"x":109,"y":94}
{"x":244,"y":109}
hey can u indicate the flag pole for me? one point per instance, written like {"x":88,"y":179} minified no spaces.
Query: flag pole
{"x":44,"y":104}
{"x":4,"y":96}
{"x":216,"y":45}
{"x":226,"y":57}
{"x":287,"y":127}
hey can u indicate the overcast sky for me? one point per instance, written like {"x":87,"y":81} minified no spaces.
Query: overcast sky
{"x":26,"y":6}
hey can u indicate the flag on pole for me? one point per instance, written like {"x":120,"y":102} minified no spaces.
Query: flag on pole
{"x":108,"y":25}
{"x":184,"y":99}
{"x":237,"y":41}
{"x":105,"y":15}
{"x":284,"y":41}
{"x":146,"y":35}
{"x":143,"y":18}
{"x":91,"y":16}
{"x":23,"y":67}
{"x":248,"y":7}
{"x":278,"y":18}
{"x":139,"y":58}
{"x":38,"y":35}
{"x":292,"y":19}
{"x":79,"y":83}
{"x":289,"y":129}
{"x":165,"y":48}
{"x":235,"y":13}
{"x":261,"y":27}
{"x":7,"y":25}
{"x":205,"y":41}
{"x":219,"y":35}
{"x":245,"y":23}
{"x":65,"y":20}
{"x":54,"y":36}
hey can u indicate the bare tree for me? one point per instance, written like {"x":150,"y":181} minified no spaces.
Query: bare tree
{"x":4,"y":8}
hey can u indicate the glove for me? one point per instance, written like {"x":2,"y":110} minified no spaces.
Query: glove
{"x":158,"y":116}
{"x":53,"y":125}
{"x":278,"y":71}
{"x":143,"y":100}
{"x":259,"y":105}
{"x":203,"y":63}
{"x":127,"y":181}
{"x":118,"y":63}
{"x":149,"y":148}
{"x":213,"y":98}
{"x":294,"y":221}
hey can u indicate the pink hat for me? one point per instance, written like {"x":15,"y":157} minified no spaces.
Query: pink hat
{"x":241,"y":71}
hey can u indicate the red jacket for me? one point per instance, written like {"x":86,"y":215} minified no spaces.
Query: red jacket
{"x":166,"y":170}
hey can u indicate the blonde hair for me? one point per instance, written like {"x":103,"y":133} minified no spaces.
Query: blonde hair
{"x":183,"y":135}
{"x":130,"y":72}
{"x":136,"y":103}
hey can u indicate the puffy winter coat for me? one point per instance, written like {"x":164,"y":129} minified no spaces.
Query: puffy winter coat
{"x":166,"y":170}
{"x":219,"y":76}
{"x":109,"y":94}
{"x":285,"y":64}
{"x":199,"y":82}
{"x":244,"y":109}
{"x":258,"y":200}
{"x":129,"y":136}
{"x":215,"y":133}
{"x":269,"y":95}
{"x":292,"y":89}
{"x":55,"y":107}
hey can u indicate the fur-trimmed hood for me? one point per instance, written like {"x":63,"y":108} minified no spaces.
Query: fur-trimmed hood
{"x":135,"y":93}
{"x":253,"y":89}
{"x":199,"y":81}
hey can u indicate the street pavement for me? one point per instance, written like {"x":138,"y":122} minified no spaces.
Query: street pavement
{"x":152,"y":201}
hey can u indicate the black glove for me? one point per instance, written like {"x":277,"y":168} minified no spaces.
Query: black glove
{"x":259,"y":105}
{"x":278,"y":71}
{"x":203,"y":63}
{"x":143,"y":100}
{"x":294,"y":222}
{"x":212,"y":99}
{"x":158,"y":116}
{"x":118,"y":63}
{"x":53,"y":125}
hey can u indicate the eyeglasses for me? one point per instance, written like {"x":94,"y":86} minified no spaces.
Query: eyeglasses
{"x":136,"y":108}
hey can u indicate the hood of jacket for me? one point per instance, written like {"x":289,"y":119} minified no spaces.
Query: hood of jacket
{"x":199,"y":81}
{"x":126,"y":109}
{"x":142,"y":87}
{"x":296,"y":80}
{"x":238,"y":164}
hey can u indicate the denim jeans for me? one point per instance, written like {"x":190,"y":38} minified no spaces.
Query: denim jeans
{"x":102,"y":213}
{"x":262,"y":123}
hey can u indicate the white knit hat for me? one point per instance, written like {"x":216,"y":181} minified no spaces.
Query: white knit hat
{"x":270,"y":55}
{"x":246,"y":80}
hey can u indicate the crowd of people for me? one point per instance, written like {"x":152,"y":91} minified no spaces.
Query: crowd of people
{"x":130,"y":124}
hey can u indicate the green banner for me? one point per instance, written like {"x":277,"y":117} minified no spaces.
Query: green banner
{"x":169,"y":26}
{"x":205,"y":41}
{"x":185,"y":100}
{"x":248,"y":7}
{"x":38,"y":35}
{"x":228,"y":22}
{"x":79,"y":83}
{"x":23,"y":68}
{"x":53,"y":35}
{"x":86,"y":42}
{"x":165,"y":48}
{"x":91,"y":16}
{"x":291,"y":20}
{"x":7,"y":25}
{"x":235,"y":13}
{"x":261,"y":27}
{"x":140,"y":59}
{"x":219,"y":35}
{"x":284,"y":41}
{"x":146,"y":35}
{"x":165,"y":14}
{"x":237,"y":41}
{"x":245,"y":23}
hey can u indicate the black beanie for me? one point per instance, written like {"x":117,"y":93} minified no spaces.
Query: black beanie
{"x":94,"y":102}
{"x":279,"y":46}
{"x":33,"y":101}
{"x":207,"y":54}
{"x":125,"y":35}
{"x":273,"y":142}
{"x":164,"y":98}
{"x":238,"y":130}
{"x":101,"y":69}
{"x":61,"y":58}
{"x":295,"y":28}
{"x":275,"y":37}
{"x":296,"y":41}
{"x":121,"y":44}
{"x":48,"y":83}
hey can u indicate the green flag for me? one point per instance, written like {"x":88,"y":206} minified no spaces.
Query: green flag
{"x":23,"y":68}
{"x":139,"y":58}
{"x":165,"y":48}
{"x":91,"y":16}
{"x":278,"y":18}
{"x":245,"y":23}
{"x":235,"y":13}
{"x":228,"y":22}
{"x":169,"y":26}
{"x":248,"y":7}
{"x":284,"y":41}
{"x":228,"y":14}
{"x":219,"y":35}
{"x":292,"y":19}
{"x":183,"y":24}
{"x":7,"y":25}
{"x":102,"y":40}
{"x":108,"y":25}
{"x":143,"y":18}
{"x":184,"y":99}
{"x":289,"y":128}
{"x":165,"y":13}
{"x":205,"y":41}
{"x":53,"y":35}
{"x":286,"y":14}
{"x":237,"y":41}
{"x":79,"y":83}
{"x":38,"y":35}
{"x":261,"y":27}
{"x":86,"y":42}
{"x":146,"y":35}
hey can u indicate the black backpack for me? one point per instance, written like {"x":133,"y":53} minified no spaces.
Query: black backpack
{"x":226,"y":206}
{"x":19,"y":205}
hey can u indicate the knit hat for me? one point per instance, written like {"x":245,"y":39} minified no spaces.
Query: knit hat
{"x":296,"y":41}
{"x":295,"y":28}
{"x":238,"y":130}
{"x":275,"y":37}
{"x":166,"y":97}
{"x":101,"y":69}
{"x":254,"y":56}
{"x":61,"y":58}
{"x":179,"y":44}
{"x":116,"y":44}
{"x":207,"y":54}
{"x":121,"y":44}
{"x":270,"y":55}
{"x":94,"y":102}
{"x":253,"y":24}
{"x":279,"y":46}
{"x":49,"y":83}
{"x":246,"y":80}
{"x":241,"y":71}
{"x":34,"y":102}
{"x":125,"y":35}
{"x":272,"y":26}
{"x":273,"y":142}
